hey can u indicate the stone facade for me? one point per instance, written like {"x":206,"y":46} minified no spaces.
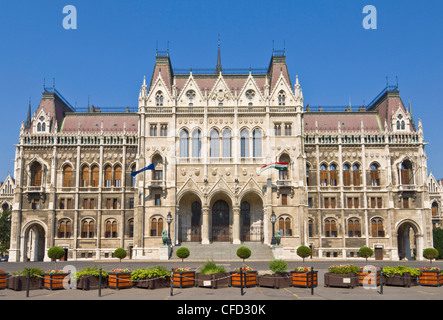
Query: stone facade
{"x":355,"y":178}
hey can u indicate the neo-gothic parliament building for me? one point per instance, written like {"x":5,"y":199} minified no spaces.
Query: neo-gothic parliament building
{"x":355,"y":177}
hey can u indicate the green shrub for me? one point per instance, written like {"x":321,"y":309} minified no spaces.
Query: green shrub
{"x":243,"y":253}
{"x":343,"y":268}
{"x":210,"y":267}
{"x":33,"y":272}
{"x":150,"y":273}
{"x":400,"y":270}
{"x":183,"y":253}
{"x":430,"y":253}
{"x":89,"y":271}
{"x":303,"y":252}
{"x":278,"y":266}
{"x":365,"y":252}
{"x":56,"y":253}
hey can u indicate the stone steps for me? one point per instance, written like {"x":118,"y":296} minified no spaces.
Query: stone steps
{"x":224,"y":251}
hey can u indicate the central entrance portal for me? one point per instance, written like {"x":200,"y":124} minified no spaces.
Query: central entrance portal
{"x":220,"y":221}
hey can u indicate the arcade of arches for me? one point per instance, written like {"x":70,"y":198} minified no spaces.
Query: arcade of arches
{"x":220,"y":221}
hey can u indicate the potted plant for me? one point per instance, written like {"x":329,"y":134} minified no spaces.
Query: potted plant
{"x":304,"y":252}
{"x":248,"y":277}
{"x":212,"y":276}
{"x":3,"y":276}
{"x":88,"y":278}
{"x":401,"y":276}
{"x":19,"y":279}
{"x":365,"y":252}
{"x":304,"y":277}
{"x":279,"y":277}
{"x":183,"y":277}
{"x":369,"y":276}
{"x":151,"y":278}
{"x":344,"y":276}
{"x":56,"y":279}
{"x":430,"y":276}
{"x":119,"y":278}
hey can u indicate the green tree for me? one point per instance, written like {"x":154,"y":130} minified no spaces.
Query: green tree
{"x":303,"y":252}
{"x":438,"y":241}
{"x":56,"y":253}
{"x":430,"y":253}
{"x":365,"y":252}
{"x":183,"y":253}
{"x":243,"y":253}
{"x":5,"y":232}
{"x":120,"y":253}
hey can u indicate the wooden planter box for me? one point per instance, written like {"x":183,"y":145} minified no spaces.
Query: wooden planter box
{"x":431,"y":278}
{"x":344,"y":280}
{"x":90,"y":282}
{"x":3,"y":277}
{"x":249,"y":279}
{"x":119,"y":280}
{"x":185,"y":279}
{"x":19,"y":283}
{"x":153,"y":283}
{"x":214,"y":281}
{"x":371,"y":279}
{"x":276,"y":281}
{"x":402,"y":281}
{"x":304,"y":279}
{"x":55,"y":281}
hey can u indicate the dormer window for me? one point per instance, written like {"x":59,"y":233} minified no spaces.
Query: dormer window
{"x":400,"y":122}
{"x":281,"y":98}
{"x":41,"y":125}
{"x":159,"y":98}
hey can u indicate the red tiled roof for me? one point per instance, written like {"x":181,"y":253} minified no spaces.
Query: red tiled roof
{"x":92,"y":122}
{"x":348,"y":121}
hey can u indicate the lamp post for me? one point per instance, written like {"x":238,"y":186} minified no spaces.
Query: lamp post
{"x":273,"y":220}
{"x":169,"y":220}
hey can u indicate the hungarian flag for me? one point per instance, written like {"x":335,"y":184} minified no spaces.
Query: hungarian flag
{"x":150,"y":167}
{"x":275,"y":165}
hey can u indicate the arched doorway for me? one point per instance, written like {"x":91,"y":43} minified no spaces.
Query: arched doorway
{"x":34,"y":243}
{"x":245,"y":221}
{"x":220,"y":221}
{"x":407,"y":240}
{"x":189,"y":218}
{"x":196,"y":213}
{"x":251,"y":218}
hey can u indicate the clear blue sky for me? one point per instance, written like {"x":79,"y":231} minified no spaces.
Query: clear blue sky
{"x":114,"y":46}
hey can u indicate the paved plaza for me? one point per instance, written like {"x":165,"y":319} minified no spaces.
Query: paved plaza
{"x":227,"y":294}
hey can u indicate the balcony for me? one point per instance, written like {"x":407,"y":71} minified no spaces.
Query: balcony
{"x":35,"y":189}
{"x":407,"y":187}
{"x":284,"y":183}
{"x":156,"y":184}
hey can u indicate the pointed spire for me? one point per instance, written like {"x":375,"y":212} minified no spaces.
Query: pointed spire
{"x":218,"y":68}
{"x":410,"y":114}
{"x":28,"y":119}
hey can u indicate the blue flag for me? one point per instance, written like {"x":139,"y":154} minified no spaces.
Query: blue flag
{"x":150,"y":167}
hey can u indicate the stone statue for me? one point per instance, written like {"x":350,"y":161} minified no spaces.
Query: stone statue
{"x":277,"y":237}
{"x":165,"y":237}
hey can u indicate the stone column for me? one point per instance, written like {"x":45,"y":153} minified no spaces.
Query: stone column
{"x":205,"y":225}
{"x":236,"y":225}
